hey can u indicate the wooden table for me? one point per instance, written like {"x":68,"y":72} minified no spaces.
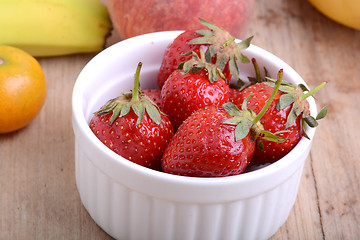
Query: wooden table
{"x":38,"y":195}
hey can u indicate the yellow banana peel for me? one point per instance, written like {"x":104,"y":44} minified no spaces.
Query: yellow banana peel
{"x":46,"y":28}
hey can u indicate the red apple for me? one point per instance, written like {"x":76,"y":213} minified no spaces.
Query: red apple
{"x":135,"y":17}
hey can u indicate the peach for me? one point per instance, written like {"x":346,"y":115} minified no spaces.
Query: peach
{"x":131,"y":18}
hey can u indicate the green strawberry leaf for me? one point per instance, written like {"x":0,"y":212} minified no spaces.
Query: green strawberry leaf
{"x":221,"y":61}
{"x":285,"y":86}
{"x":303,"y":87}
{"x":305,"y":135}
{"x":242,"y":58}
{"x":139,"y":110}
{"x":201,"y":40}
{"x":233,"y":67}
{"x":245,"y":43}
{"x":203,"y":32}
{"x":244,"y":103}
{"x":125,"y":109}
{"x":322,"y":113}
{"x":284,"y":101}
{"x":266,"y":135}
{"x":298,"y":107}
{"x":232,"y":121}
{"x":291,"y":117}
{"x":242,"y":129}
{"x":116,"y":113}
{"x":153,"y":112}
{"x":311,"y":121}
{"x":108,"y":107}
{"x":232,"y":109}
{"x":208,"y":24}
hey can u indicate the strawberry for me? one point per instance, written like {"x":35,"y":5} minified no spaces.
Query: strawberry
{"x":154,"y":94}
{"x":173,"y":54}
{"x":204,"y":147}
{"x":215,"y":141}
{"x":284,"y":117}
{"x":235,"y":96}
{"x":222,"y":50}
{"x":132,"y":126}
{"x":199,"y":84}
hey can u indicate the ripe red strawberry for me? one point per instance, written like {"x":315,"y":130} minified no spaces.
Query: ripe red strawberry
{"x":173,"y":54}
{"x":284,"y":116}
{"x":215,"y":141}
{"x":222,"y":50}
{"x":154,"y":94}
{"x":205,"y":147}
{"x":133,"y":127}
{"x":200,"y":84}
{"x":235,"y":96}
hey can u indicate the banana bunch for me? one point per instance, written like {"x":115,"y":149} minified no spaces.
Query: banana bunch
{"x":54,"y":27}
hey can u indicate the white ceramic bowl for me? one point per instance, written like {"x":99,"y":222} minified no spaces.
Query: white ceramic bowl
{"x":129,"y":201}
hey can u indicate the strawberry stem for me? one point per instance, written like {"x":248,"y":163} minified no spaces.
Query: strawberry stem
{"x":271,"y":98}
{"x":312,"y":91}
{"x":135,"y":94}
{"x":257,"y":70}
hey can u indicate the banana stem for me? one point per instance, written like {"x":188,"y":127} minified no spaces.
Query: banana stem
{"x":271,"y":98}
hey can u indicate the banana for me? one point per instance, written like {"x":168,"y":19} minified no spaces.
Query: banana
{"x":45,"y":28}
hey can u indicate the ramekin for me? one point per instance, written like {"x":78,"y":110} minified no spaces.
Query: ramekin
{"x":129,"y":201}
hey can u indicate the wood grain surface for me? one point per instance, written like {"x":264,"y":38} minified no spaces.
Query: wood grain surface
{"x":38,"y":195}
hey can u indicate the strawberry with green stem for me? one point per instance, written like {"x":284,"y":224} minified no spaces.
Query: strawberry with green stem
{"x":287,"y":115}
{"x":197,"y":85}
{"x":217,"y":40}
{"x":132,"y":126}
{"x":216,"y":141}
{"x":222,"y":48}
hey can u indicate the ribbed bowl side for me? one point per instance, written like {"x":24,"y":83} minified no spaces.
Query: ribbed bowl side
{"x":127,"y":214}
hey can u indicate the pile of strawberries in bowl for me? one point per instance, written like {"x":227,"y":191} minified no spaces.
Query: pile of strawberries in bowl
{"x":190,"y":135}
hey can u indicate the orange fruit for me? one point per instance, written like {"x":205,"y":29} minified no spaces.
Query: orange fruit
{"x":22,"y":88}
